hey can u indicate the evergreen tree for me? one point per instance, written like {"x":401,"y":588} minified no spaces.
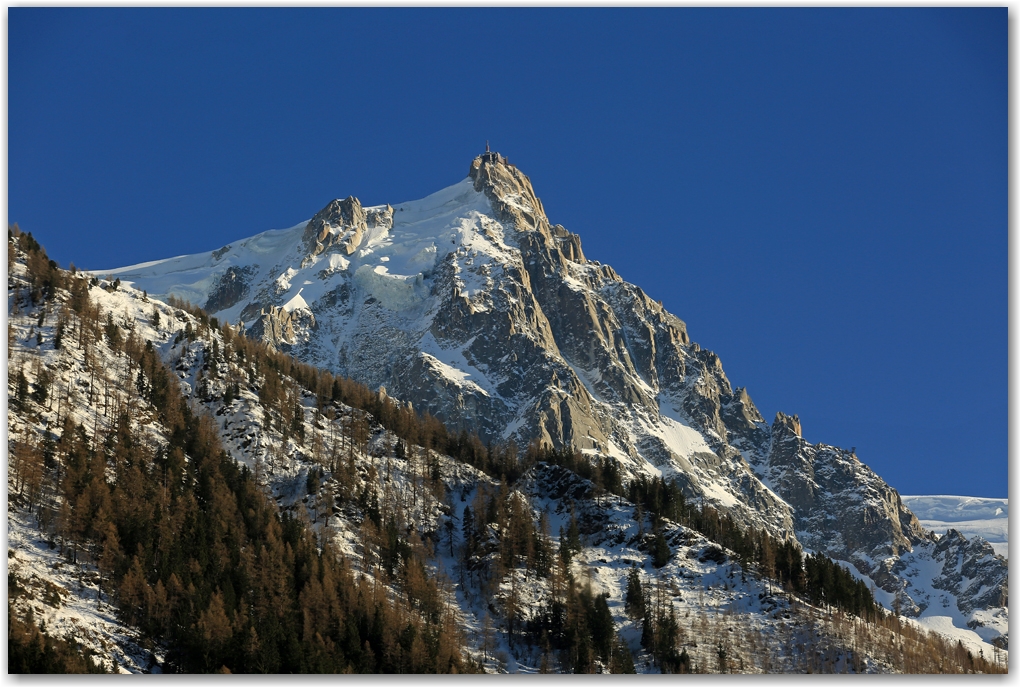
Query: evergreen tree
{"x":542,"y":547}
{"x":635,"y":598}
{"x":660,"y":551}
{"x":468,"y":527}
{"x":297,"y":424}
{"x":42,"y":386}
{"x":623,"y":662}
{"x":20,"y":390}
{"x":570,"y":542}
{"x":685,"y":662}
{"x":603,"y":632}
{"x":112,"y":332}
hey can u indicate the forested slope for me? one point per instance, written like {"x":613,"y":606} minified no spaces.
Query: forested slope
{"x":183,"y":498}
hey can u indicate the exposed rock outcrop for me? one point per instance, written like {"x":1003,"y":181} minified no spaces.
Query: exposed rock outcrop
{"x":231,"y":288}
{"x":279,"y":328}
{"x":341,"y":225}
{"x":841,"y":507}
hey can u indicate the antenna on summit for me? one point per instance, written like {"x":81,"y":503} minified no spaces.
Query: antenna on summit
{"x":489,"y":156}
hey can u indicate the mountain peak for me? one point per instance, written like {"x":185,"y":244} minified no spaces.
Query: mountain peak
{"x":343,"y":224}
{"x":789,"y":423}
{"x":509,"y":190}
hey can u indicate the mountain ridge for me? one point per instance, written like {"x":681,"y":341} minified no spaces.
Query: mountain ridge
{"x":475,"y":308}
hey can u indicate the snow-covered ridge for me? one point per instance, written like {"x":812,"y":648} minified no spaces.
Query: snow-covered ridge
{"x":388,"y":263}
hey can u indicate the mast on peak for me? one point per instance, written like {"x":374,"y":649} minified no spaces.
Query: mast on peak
{"x":492,"y":156}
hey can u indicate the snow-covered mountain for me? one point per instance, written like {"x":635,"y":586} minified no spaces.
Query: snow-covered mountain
{"x":471,"y":305}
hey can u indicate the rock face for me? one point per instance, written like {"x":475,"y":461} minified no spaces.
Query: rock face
{"x":282,"y":329}
{"x":964,"y":562}
{"x":819,"y":480}
{"x":231,"y":287}
{"x":342,"y":224}
{"x":474,"y":307}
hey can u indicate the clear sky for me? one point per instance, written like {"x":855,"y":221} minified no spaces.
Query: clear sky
{"x":820,"y":194}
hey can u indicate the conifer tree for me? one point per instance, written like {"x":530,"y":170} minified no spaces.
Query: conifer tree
{"x":634,"y":601}
{"x":20,"y":389}
{"x":660,"y":550}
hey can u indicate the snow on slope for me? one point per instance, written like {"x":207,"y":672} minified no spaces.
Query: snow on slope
{"x":64,"y":596}
{"x":971,"y":516}
{"x":189,"y":277}
{"x":923,"y":569}
{"x":389,"y":265}
{"x":67,"y":600}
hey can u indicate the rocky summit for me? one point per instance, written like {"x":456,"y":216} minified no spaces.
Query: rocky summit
{"x":472,"y":306}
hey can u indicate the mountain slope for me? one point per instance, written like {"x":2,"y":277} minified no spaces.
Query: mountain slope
{"x":472,"y":306}
{"x":135,"y":536}
{"x":123,"y":406}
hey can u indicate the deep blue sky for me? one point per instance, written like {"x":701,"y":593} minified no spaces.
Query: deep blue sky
{"x":820,"y":194}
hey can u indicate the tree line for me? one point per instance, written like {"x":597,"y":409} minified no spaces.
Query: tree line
{"x":815,"y":576}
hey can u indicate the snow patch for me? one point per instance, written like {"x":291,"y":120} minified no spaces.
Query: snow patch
{"x":338,"y":263}
{"x":295,"y":303}
{"x":394,"y":291}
